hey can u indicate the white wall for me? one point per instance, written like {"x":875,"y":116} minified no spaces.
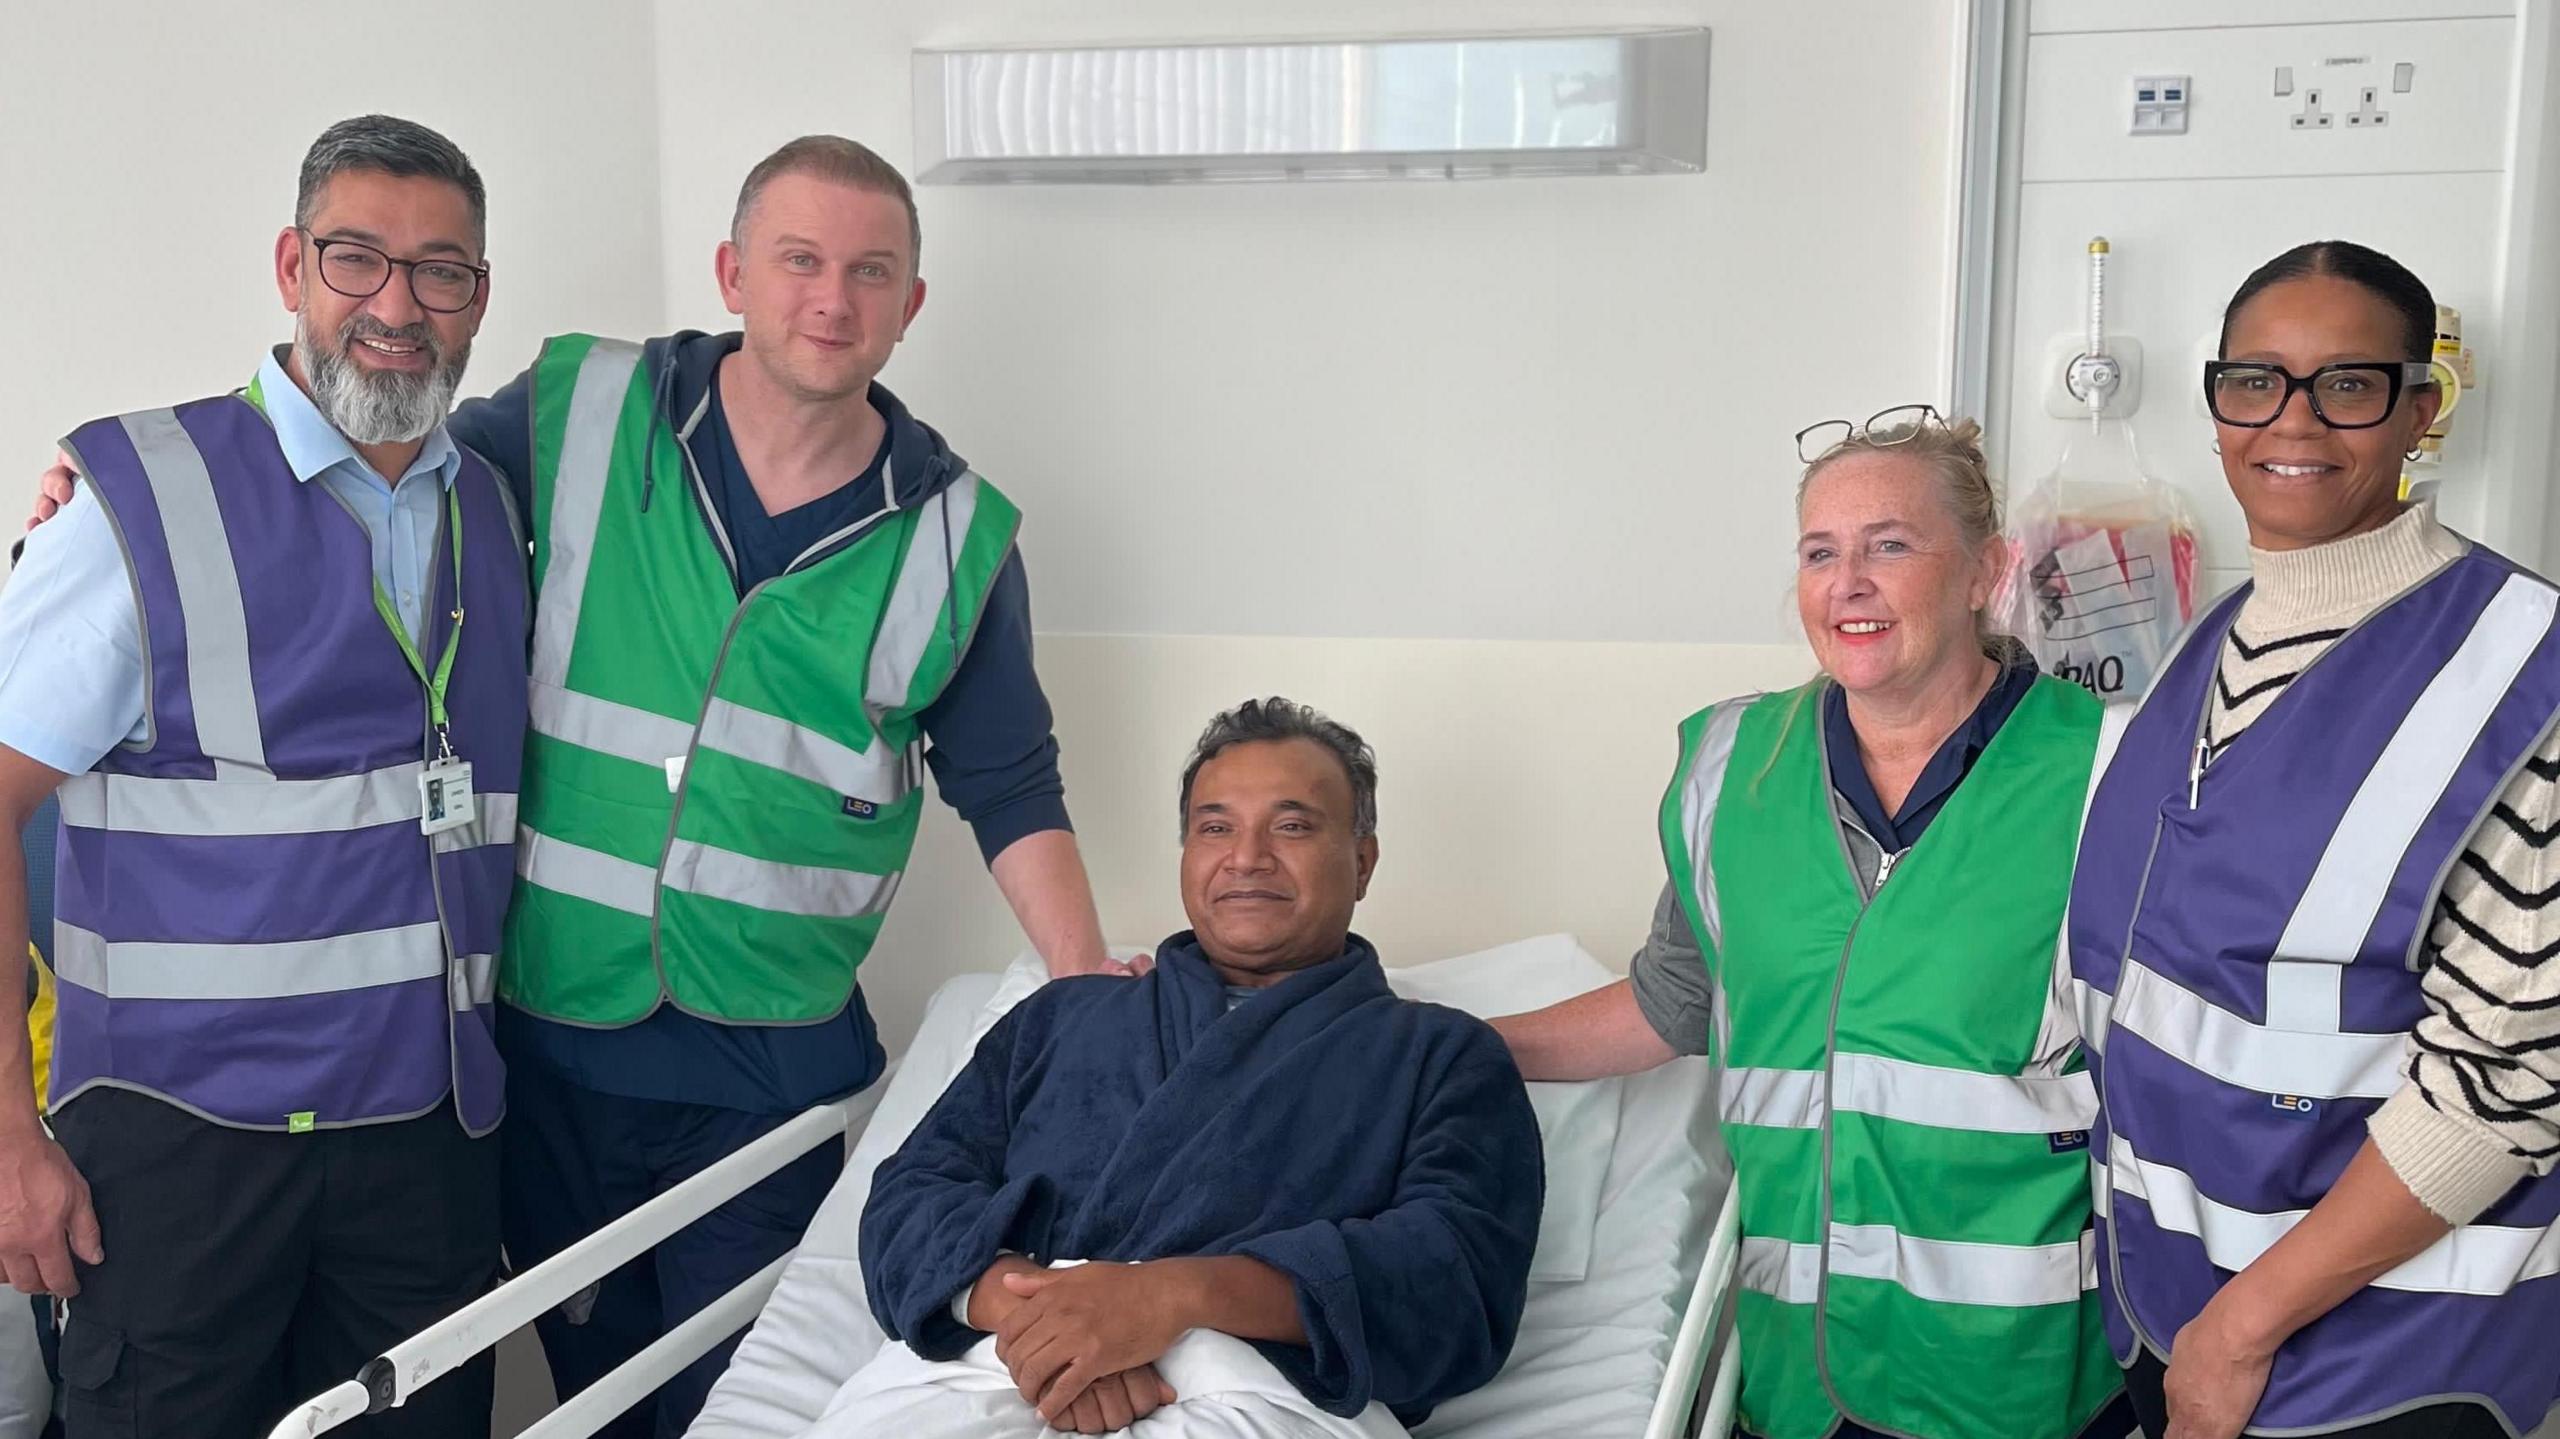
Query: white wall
{"x":1402,"y":450}
{"x":148,"y":155}
{"x":1524,"y":409}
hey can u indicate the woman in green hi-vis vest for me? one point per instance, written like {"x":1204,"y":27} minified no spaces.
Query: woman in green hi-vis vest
{"x":1867,"y":876}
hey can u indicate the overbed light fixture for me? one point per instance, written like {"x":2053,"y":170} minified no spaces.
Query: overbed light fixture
{"x":1620,"y":103}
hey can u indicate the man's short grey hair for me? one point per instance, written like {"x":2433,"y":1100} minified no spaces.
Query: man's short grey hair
{"x":1258,"y":721}
{"x":388,"y":145}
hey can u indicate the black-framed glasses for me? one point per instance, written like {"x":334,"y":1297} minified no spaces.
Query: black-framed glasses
{"x":2354,"y":396}
{"x":1884,"y":427}
{"x":359,"y":271}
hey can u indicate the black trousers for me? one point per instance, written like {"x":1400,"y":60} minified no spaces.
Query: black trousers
{"x":247,"y":1272}
{"x":2144,"y":1381}
{"x":577,"y":1160}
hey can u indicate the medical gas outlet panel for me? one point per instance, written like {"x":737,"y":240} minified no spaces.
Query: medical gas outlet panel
{"x":2202,"y":140}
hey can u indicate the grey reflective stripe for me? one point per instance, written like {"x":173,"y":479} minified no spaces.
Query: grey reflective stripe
{"x":577,"y":502}
{"x":211,"y":807}
{"x":916,"y":597}
{"x":2095,"y":1007}
{"x":2354,"y":875}
{"x":1909,"y":1093}
{"x":879,"y":774}
{"x":493,"y":821}
{"x":582,"y":873}
{"x":473,"y":983}
{"x":1788,"y":1273}
{"x":2487,"y":1259}
{"x":1950,"y":1272}
{"x":2213,"y":1041}
{"x":1698,"y":796}
{"x":606,"y":726}
{"x":1961,"y":1099}
{"x":132,"y":804}
{"x":698,"y":868}
{"x":1770,"y":1098}
{"x":1942,"y":1270}
{"x":2089,"y":1004}
{"x":216,"y":620}
{"x":247,"y":971}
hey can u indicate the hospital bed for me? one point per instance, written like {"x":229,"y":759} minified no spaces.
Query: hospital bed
{"x":1627,"y":1298}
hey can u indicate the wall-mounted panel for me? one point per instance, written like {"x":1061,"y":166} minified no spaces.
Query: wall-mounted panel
{"x":1615,"y":103}
{"x":2046,"y":17}
{"x":2274,"y":100}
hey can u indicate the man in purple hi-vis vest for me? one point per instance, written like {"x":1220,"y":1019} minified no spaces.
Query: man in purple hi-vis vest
{"x":273,"y":658}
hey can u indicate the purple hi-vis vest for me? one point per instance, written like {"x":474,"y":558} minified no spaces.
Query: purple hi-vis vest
{"x":2248,"y":946}
{"x":250,"y":922}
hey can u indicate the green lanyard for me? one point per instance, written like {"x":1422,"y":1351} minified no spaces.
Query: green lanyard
{"x":437,"y":682}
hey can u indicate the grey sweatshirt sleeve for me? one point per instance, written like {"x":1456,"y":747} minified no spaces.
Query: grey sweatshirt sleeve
{"x":1670,"y":980}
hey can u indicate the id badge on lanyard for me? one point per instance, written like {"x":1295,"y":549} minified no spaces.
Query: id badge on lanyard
{"x":445,"y":798}
{"x":444,"y":795}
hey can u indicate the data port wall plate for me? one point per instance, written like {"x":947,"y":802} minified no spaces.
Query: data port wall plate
{"x":2159,"y":105}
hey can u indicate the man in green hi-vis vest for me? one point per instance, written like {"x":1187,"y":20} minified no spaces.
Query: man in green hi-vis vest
{"x":763,"y":589}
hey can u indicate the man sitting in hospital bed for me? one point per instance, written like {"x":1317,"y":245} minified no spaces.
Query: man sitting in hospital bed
{"x":1251,"y":1194}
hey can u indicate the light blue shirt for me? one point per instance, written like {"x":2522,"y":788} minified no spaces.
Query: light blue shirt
{"x":71,"y":668}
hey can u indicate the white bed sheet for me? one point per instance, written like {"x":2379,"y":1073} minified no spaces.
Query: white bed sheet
{"x":1591,"y":1355}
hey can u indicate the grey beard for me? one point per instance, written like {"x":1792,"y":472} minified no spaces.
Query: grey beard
{"x":376,"y":407}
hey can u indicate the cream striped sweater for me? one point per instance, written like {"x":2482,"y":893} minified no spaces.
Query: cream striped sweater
{"x":2481,"y":1109}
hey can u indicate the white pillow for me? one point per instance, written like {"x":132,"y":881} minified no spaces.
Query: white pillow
{"x":1577,"y":1123}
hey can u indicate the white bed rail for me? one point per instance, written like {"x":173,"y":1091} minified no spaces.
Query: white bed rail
{"x":1684,"y":1382}
{"x":389,"y":1381}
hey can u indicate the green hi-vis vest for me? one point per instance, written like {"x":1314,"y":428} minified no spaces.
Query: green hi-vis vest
{"x":1901,"y":1086}
{"x":719,"y":793}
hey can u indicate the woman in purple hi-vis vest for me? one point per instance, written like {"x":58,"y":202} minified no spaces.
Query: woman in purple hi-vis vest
{"x":2311,"y":927}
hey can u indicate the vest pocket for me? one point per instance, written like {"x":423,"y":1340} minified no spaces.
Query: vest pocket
{"x":2304,"y":995}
